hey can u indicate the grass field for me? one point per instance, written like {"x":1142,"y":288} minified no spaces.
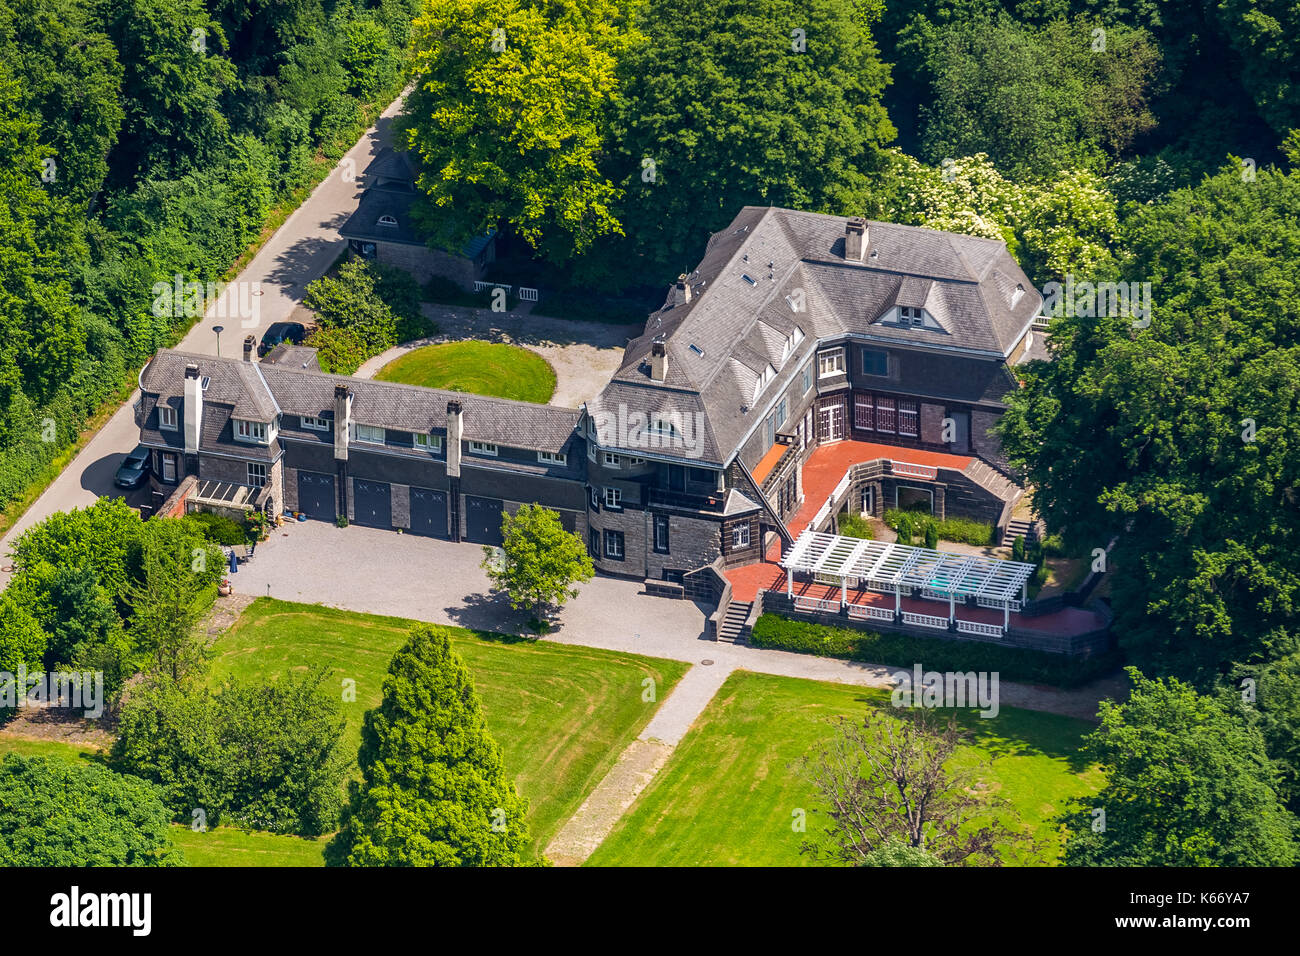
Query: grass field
{"x":225,"y":846}
{"x":728,"y":794}
{"x":561,"y":714}
{"x":9,"y":744}
{"x":484,"y":368}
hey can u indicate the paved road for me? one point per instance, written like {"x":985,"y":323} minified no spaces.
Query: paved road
{"x":300,"y":251}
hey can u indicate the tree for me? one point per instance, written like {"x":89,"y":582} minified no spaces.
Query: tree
{"x":265,"y":756}
{"x":763,"y":102}
{"x":540,"y":561}
{"x":1263,"y":32}
{"x":1187,"y":784}
{"x":64,"y":813}
{"x":434,"y":790}
{"x":886,"y":782}
{"x":509,"y":116}
{"x":100,"y":536}
{"x":1179,"y":437}
{"x":175,"y":586}
{"x":71,"y":78}
{"x":1063,"y":226}
{"x":898,"y":854}
{"x":22,"y":642}
{"x":1037,"y":100}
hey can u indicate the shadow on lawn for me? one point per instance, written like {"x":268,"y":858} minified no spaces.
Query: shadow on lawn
{"x":491,"y":618}
{"x":1018,"y":733}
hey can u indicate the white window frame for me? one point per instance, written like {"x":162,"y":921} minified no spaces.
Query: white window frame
{"x":168,"y":467}
{"x":808,"y":379}
{"x":166,"y":417}
{"x":254,"y":433}
{"x":621,"y":552}
{"x":830,"y":362}
{"x":484,"y":448}
{"x":612,"y":460}
{"x":552,"y":458}
{"x":426,"y":441}
{"x":253,"y":479}
{"x":740,"y":536}
{"x":315,"y":424}
{"x":368,"y":434}
{"x":614,"y":498}
{"x":635,"y":461}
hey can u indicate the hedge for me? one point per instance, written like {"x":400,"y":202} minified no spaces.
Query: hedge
{"x":904,"y":650}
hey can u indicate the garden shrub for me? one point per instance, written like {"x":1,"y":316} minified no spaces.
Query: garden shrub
{"x":904,"y":650}
{"x":220,"y":529}
{"x":855,"y":526}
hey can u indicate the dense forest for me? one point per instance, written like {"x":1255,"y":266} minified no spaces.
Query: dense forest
{"x":144,"y":139}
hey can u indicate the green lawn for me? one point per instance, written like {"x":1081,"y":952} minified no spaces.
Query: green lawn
{"x":225,"y":846}
{"x":728,"y":794}
{"x":561,"y":714}
{"x":484,"y":368}
{"x":65,"y":750}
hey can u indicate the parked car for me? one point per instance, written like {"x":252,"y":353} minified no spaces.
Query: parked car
{"x":134,"y":469}
{"x":279,"y":332}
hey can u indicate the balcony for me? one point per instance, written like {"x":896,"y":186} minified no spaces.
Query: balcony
{"x":668,"y":498}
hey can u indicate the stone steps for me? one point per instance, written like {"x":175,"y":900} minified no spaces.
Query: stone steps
{"x":732,"y":630}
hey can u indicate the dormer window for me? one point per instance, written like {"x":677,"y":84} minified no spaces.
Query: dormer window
{"x":167,"y":417}
{"x":387,"y":221}
{"x":911,"y":315}
{"x":252,"y":432}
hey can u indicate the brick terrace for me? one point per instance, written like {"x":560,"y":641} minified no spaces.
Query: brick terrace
{"x":823,"y":470}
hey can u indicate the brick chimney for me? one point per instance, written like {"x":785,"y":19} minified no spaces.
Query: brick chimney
{"x":342,"y":421}
{"x":455,"y":429}
{"x":658,"y":360}
{"x":250,"y":344}
{"x":193,"y":409}
{"x":681,"y":291}
{"x":856,"y":238}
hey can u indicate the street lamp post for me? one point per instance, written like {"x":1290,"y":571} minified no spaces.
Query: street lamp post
{"x":218,"y":329}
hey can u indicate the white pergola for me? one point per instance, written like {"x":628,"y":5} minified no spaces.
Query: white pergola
{"x":881,"y":566}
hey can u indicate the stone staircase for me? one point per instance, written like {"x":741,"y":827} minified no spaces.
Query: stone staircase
{"x":733,"y":630}
{"x":1020,"y":528}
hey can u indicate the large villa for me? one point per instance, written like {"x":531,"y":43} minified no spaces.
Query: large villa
{"x":810,"y":365}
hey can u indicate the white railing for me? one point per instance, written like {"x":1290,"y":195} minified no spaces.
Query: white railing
{"x":527,"y":295}
{"x":925,"y":620}
{"x":870,"y":612}
{"x":976,"y":627}
{"x":907,"y":470}
{"x":1041,"y":322}
{"x":996,"y":605}
{"x":816,"y":604}
{"x":931,"y":595}
{"x":481,"y":286}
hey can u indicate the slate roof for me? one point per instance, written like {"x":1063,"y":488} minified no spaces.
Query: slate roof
{"x":390,"y":191}
{"x":742,"y":311}
{"x":293,"y":356}
{"x":297,"y":391}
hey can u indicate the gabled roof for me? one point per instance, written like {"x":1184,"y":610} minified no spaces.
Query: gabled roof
{"x":298,"y":391}
{"x":772,"y":269}
{"x":231,"y":382}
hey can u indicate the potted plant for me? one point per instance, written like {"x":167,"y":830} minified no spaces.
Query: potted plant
{"x":225,"y":587}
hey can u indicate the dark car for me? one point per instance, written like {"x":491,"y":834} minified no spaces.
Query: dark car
{"x":134,"y":469}
{"x":279,"y":332}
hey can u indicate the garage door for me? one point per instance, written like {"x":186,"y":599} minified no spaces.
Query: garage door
{"x":372,"y":503}
{"x":483,"y":520}
{"x":316,"y":495}
{"x":429,"y":512}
